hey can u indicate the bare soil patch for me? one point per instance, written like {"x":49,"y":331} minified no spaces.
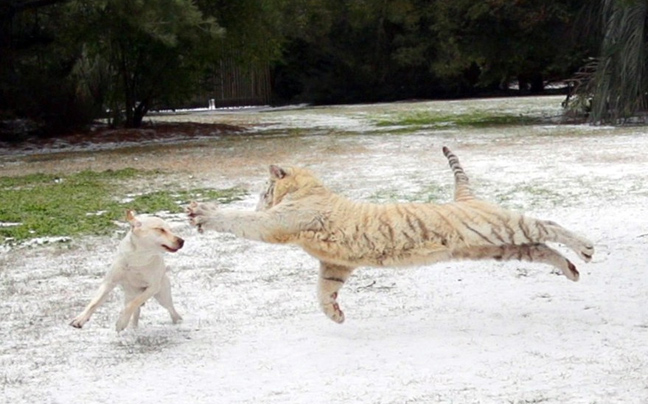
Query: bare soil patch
{"x":104,"y":135}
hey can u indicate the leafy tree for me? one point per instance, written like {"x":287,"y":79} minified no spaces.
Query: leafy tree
{"x":127,"y":56}
{"x":620,"y":85}
{"x":252,"y":29}
{"x":370,"y":50}
{"x":63,"y":59}
{"x":154,"y":51}
{"x":500,"y":40}
{"x":36,"y":68}
{"x":162,"y":52}
{"x":356,"y":50}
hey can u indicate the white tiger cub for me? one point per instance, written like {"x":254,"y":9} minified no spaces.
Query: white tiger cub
{"x":344,"y":234}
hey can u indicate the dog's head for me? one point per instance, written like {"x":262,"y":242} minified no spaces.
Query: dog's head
{"x":151,"y":232}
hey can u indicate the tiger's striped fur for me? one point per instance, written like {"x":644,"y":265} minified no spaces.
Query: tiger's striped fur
{"x":343,"y":234}
{"x":463,"y":191}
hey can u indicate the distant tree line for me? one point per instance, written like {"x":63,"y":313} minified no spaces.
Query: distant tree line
{"x":375,"y":50}
{"x":65,"y":63}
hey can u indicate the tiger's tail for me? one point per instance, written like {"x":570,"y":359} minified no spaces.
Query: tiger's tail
{"x":463,"y":191}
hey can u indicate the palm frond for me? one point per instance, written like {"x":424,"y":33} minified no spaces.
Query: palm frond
{"x":620,"y":83}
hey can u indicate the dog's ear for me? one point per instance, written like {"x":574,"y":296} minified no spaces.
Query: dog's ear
{"x":130,"y":216}
{"x":277,"y":172}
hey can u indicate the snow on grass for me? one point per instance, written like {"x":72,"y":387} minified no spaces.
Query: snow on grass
{"x":460,"y":332}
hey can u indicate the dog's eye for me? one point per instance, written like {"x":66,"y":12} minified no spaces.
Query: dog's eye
{"x":161,"y":230}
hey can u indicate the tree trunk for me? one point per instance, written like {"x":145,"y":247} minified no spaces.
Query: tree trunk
{"x":129,"y":96}
{"x":138,"y":114}
{"x":523,"y":83}
{"x":532,"y":83}
{"x":6,"y":61}
{"x":537,"y":83}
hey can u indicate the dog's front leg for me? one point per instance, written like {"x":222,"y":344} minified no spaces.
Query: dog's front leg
{"x":100,"y":297}
{"x":133,"y":305}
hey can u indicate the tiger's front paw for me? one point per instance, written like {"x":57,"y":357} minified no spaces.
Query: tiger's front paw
{"x":199,"y":213}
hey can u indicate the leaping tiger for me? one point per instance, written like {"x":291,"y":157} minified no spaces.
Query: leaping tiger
{"x":342,"y":234}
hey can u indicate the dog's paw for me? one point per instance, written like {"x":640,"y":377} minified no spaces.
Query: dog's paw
{"x":78,"y":322}
{"x":122,"y":323}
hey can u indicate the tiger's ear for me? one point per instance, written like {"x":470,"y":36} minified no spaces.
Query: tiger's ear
{"x":277,"y":172}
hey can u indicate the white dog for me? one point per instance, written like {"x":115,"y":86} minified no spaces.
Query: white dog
{"x":139,"y":268}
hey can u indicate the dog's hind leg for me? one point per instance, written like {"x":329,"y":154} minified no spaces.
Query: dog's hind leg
{"x":136,"y":316}
{"x":129,"y":295}
{"x":133,"y":305}
{"x":164,"y":298}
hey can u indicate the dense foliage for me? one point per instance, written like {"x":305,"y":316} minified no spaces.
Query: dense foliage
{"x":65,"y":63}
{"x":379,"y":50}
{"x":618,"y":89}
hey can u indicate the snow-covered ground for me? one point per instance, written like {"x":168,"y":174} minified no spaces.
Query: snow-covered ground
{"x":460,"y":332}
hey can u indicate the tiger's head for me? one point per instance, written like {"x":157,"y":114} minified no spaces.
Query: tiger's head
{"x":292,"y":181}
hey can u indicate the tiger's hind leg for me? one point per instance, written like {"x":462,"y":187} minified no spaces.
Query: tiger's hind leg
{"x":331,"y":279}
{"x":523,"y":252}
{"x":551,"y":231}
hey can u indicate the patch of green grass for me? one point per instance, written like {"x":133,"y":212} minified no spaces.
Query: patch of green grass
{"x":174,"y":201}
{"x":431,"y":119}
{"x":42,"y":205}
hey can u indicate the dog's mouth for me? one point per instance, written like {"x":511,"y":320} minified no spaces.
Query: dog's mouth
{"x":169,"y":249}
{"x":178,"y":242}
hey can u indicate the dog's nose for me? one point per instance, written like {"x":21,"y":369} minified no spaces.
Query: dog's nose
{"x":180,"y":242}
